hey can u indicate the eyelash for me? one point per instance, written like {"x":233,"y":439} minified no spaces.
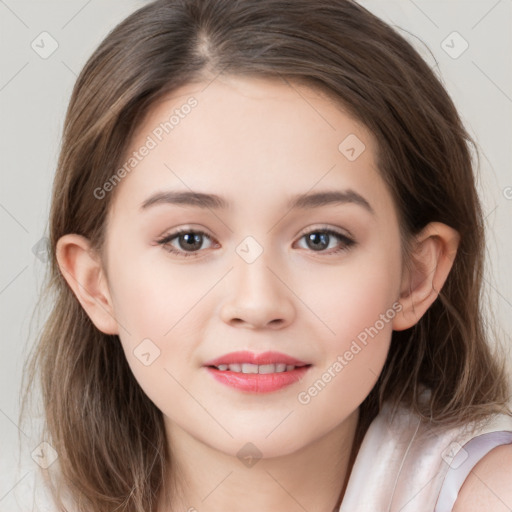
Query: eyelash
{"x":166,"y":239}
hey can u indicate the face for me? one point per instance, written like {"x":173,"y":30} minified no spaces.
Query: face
{"x":260,"y":270}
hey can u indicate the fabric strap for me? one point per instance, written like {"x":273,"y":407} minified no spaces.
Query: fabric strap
{"x":463,"y":462}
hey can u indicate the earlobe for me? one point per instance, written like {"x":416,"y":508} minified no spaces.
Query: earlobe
{"x":82,"y":269}
{"x":432,"y":259}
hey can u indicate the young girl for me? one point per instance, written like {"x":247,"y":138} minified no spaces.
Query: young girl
{"x":267,"y":257}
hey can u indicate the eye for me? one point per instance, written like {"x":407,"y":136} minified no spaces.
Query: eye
{"x":320,"y":239}
{"x":189,"y":242}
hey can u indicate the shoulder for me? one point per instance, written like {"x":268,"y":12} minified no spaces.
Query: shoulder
{"x":487,"y":487}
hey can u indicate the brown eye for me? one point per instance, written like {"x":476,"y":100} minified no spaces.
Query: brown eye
{"x":321,"y":239}
{"x":188,"y":242}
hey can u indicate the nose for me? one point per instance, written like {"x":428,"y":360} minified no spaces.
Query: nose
{"x":258,"y":297}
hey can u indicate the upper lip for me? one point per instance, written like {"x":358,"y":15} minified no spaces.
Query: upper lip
{"x":252,"y":358}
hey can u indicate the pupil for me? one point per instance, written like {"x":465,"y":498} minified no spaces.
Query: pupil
{"x":319,"y":240}
{"x":193,"y":241}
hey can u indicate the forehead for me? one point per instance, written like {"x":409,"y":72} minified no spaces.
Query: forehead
{"x":257,"y":139}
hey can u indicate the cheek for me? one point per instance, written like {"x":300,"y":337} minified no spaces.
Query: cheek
{"x":161,"y":309}
{"x":363,"y":328}
{"x":150,"y":297}
{"x":354,"y":355}
{"x":155,"y":311}
{"x":358,"y":312}
{"x":357,"y":295}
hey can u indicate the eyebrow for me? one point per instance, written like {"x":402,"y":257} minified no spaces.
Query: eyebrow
{"x":215,"y":202}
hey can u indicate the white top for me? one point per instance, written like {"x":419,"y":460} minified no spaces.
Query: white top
{"x":402,"y":465}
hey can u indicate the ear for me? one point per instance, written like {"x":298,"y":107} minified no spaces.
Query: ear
{"x":434,"y":251}
{"x":81,"y":267}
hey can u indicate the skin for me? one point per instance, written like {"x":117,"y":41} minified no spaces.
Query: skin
{"x":257,"y":143}
{"x":487,"y":487}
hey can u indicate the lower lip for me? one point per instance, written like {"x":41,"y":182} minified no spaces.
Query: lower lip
{"x":258,"y":382}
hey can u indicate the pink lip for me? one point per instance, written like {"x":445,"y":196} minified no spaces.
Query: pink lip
{"x":257,"y":382}
{"x":252,"y":358}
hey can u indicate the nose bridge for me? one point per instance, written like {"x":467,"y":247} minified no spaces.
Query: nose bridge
{"x":252,"y":269}
{"x":256,"y":294}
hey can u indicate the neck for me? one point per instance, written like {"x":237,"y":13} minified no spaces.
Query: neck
{"x":315,"y":477}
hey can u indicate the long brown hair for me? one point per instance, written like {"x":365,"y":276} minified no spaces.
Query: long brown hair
{"x":94,"y":407}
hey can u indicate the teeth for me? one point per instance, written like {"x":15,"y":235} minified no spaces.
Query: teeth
{"x":267,"y":368}
{"x":249,"y":368}
{"x":255,"y":368}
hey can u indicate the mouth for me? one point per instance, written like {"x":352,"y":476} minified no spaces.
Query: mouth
{"x":261,"y":369}
{"x":257,"y":379}
{"x":246,"y":361}
{"x":257,"y":373}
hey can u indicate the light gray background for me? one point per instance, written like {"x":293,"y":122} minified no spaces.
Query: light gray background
{"x":33,"y":97}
